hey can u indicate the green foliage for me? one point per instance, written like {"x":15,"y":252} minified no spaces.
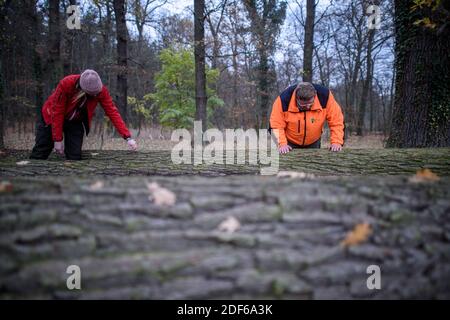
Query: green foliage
{"x":434,"y":12}
{"x":140,"y":107}
{"x":175,"y":88}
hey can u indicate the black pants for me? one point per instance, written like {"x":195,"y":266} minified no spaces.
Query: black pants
{"x":73,"y":140}
{"x":314,"y":145}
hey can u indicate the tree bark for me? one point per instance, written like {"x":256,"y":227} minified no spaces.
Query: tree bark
{"x":69,"y":37}
{"x":2,"y":110}
{"x":129,"y":247}
{"x":54,"y":70}
{"x":122,"y":36}
{"x":309,"y":41}
{"x":37,"y":63}
{"x":199,"y":53}
{"x":366,"y":85}
{"x":421,"y":115}
{"x":3,"y":12}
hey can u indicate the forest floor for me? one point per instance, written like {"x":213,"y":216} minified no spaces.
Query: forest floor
{"x":284,"y":240}
{"x":153,"y":139}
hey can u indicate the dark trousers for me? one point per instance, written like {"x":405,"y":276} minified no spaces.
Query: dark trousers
{"x":73,"y":140}
{"x":314,"y":145}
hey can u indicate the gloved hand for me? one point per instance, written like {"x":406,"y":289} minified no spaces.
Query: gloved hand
{"x":284,"y":148}
{"x":59,"y":147}
{"x":335,"y":147}
{"x":132,"y":144}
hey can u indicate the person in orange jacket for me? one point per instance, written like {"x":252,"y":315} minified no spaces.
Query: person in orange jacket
{"x":299,"y":113}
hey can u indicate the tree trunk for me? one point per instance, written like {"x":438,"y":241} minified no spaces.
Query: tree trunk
{"x":53,"y":67}
{"x":309,"y":41}
{"x":421,"y":115}
{"x":122,"y":35}
{"x":37,"y":63}
{"x":69,"y":36}
{"x":263,"y":89}
{"x":2,"y":112}
{"x":3,"y":12}
{"x":129,"y":247}
{"x":366,"y":85}
{"x":199,"y":52}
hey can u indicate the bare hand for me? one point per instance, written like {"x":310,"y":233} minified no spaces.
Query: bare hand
{"x":284,"y":148}
{"x":132,"y":144}
{"x":335,"y":147}
{"x":59,"y":147}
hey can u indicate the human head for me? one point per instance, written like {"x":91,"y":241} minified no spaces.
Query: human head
{"x":304,"y":95}
{"x":90,"y":82}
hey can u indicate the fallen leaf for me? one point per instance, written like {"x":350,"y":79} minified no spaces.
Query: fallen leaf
{"x":229,"y":225}
{"x":22,"y":163}
{"x":358,"y":235}
{"x":424,"y":175}
{"x":160,"y":196}
{"x":98,"y":185}
{"x":295,"y":175}
{"x":6,"y":186}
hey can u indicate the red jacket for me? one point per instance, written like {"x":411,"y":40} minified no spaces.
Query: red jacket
{"x":61,"y":104}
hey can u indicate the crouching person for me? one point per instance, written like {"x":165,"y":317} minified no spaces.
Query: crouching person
{"x":69,"y":111}
{"x":299,"y":113}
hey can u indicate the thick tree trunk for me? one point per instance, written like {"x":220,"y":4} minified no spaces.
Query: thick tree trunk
{"x":103,"y":219}
{"x":421,"y":115}
{"x":122,"y":36}
{"x":309,"y":41}
{"x":199,"y":52}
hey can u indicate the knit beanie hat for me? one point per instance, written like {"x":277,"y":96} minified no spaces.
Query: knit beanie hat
{"x":90,"y":82}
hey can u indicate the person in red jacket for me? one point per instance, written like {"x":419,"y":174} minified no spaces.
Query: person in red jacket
{"x":69,"y":110}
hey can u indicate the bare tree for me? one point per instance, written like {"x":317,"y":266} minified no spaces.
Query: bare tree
{"x":214,"y":28}
{"x":199,"y":53}
{"x":122,"y":57}
{"x":53,"y":69}
{"x":266,"y":17}
{"x":143,"y":14}
{"x":309,"y":40}
{"x":367,"y":85}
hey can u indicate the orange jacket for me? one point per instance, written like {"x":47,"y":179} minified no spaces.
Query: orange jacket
{"x":304,"y":128}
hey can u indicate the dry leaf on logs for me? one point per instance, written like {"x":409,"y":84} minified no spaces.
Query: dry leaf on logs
{"x":424,"y":175}
{"x":229,"y":225}
{"x":6,"y":186}
{"x":358,"y":235}
{"x":295,"y":174}
{"x":22,"y":163}
{"x":161,"y":196}
{"x":97,"y":185}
